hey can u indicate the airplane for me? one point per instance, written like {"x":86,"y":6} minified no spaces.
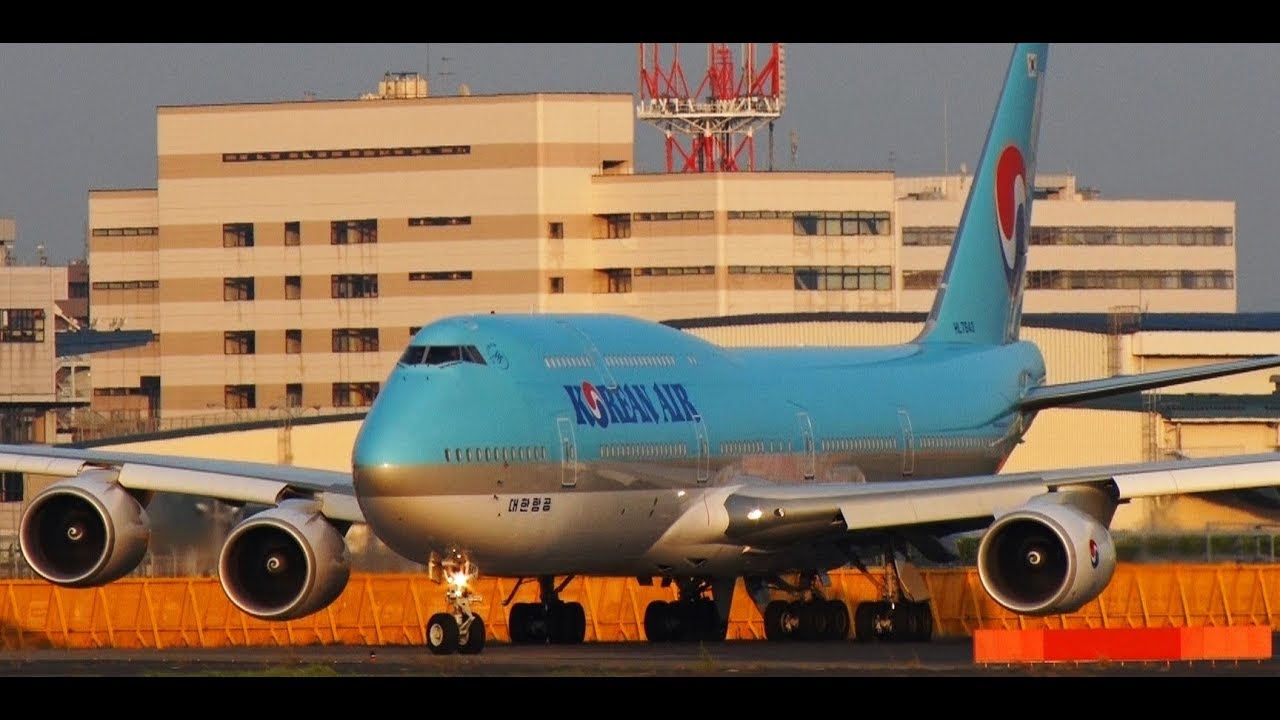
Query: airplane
{"x":545,"y":447}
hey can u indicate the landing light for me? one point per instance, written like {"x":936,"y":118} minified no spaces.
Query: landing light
{"x":680,"y":493}
{"x":755,"y":514}
{"x":459,"y":579}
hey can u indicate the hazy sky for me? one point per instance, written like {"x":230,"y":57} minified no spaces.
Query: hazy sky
{"x":1197,"y":121}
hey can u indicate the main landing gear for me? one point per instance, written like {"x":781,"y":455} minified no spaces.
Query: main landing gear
{"x":903,"y":613}
{"x":693,"y":616}
{"x":550,"y":621}
{"x":460,"y":629}
{"x":810,"y":615}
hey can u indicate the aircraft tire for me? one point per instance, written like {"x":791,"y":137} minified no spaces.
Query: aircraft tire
{"x":442,"y":634}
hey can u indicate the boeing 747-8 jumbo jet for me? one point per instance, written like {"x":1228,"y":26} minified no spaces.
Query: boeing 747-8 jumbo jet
{"x":545,"y":447}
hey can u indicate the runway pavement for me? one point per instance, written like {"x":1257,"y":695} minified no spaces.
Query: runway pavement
{"x":742,"y":658}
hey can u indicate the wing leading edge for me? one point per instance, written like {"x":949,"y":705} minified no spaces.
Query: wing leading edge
{"x":232,"y":481}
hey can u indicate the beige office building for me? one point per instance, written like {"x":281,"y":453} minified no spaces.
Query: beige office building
{"x":28,"y":364}
{"x":289,"y":249}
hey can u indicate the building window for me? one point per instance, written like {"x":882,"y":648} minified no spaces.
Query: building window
{"x":22,"y":325}
{"x":240,"y":397}
{"x":353,"y":286}
{"x":350,"y":340}
{"x":852,"y":222}
{"x":293,"y":233}
{"x":557,"y":285}
{"x":859,"y":277}
{"x":933,"y":236}
{"x":613,"y":280}
{"x":237,"y":235}
{"x":238,"y":342}
{"x":440,"y":221}
{"x":441,"y":275}
{"x":293,"y":395}
{"x":237,"y":288}
{"x":921,"y":279}
{"x":414,"y":330}
{"x":292,"y":342}
{"x":292,"y":287}
{"x":613,"y":226}
{"x":11,"y":487}
{"x":555,"y":230}
{"x":353,"y":232}
{"x":354,"y":394}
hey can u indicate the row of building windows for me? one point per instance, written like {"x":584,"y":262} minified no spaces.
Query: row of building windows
{"x":346,"y":153}
{"x":1098,"y":279}
{"x":125,"y":231}
{"x":1131,"y":279}
{"x":345,"y":394}
{"x":344,"y":340}
{"x":343,"y":286}
{"x":805,"y":277}
{"x":127,"y":285}
{"x":22,"y":325}
{"x":1180,"y":236}
{"x":438,"y":221}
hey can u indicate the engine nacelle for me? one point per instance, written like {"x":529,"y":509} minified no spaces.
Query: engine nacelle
{"x":1045,"y":558}
{"x":84,"y":531}
{"x":284,"y":563}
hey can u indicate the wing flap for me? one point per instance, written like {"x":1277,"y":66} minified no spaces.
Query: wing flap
{"x":39,"y":465}
{"x":1200,"y":479}
{"x":758,"y":514}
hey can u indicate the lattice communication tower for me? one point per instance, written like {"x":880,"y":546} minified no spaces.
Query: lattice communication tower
{"x":712,"y":128}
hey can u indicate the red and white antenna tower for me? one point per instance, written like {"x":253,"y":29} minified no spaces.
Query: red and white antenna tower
{"x":711,"y":128}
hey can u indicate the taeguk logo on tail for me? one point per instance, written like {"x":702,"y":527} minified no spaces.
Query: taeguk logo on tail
{"x":1012,"y":211}
{"x":626,"y":404}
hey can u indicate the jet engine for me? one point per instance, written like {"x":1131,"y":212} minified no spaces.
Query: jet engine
{"x":285,"y":562}
{"x":84,"y":531}
{"x":1045,"y":558}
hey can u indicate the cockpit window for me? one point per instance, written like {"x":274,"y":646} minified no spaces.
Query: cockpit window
{"x":441,"y":355}
{"x":412,"y":355}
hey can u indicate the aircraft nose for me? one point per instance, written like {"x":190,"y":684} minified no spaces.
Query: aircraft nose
{"x":389,"y":441}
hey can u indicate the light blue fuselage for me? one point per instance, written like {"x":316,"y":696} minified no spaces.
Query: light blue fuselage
{"x":582,"y":438}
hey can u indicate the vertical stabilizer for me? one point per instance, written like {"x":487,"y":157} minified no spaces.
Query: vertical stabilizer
{"x":979,"y":298}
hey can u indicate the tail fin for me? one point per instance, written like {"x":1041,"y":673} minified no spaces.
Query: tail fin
{"x":979,"y":299}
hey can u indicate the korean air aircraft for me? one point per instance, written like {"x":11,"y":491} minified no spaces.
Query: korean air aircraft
{"x":544,"y":447}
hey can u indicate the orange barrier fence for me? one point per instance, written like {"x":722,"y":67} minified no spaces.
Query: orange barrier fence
{"x":392,"y":609}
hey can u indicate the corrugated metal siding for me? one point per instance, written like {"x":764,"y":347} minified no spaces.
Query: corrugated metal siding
{"x":1072,"y":437}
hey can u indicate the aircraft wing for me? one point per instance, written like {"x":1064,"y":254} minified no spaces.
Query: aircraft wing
{"x":1047,"y":396}
{"x":767,"y":515}
{"x":231,"y":481}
